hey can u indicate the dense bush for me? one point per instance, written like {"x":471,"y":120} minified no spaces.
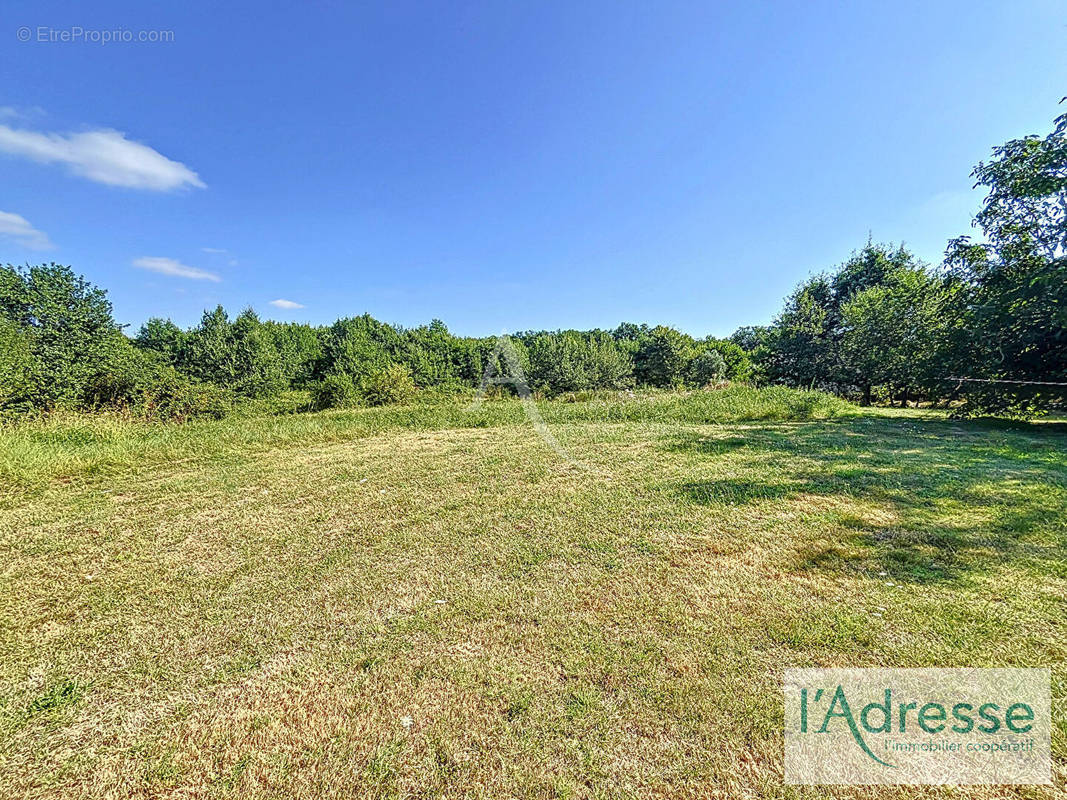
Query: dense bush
{"x":120,"y":381}
{"x":143,"y":385}
{"x":17,"y":371}
{"x":172,"y":396}
{"x":387,"y":386}
{"x":570,"y":361}
{"x":663,"y":357}
{"x":708,"y":367}
{"x":736,"y":362}
{"x":336,"y":390}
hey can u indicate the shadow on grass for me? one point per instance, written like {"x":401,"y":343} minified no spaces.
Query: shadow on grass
{"x":960,"y":497}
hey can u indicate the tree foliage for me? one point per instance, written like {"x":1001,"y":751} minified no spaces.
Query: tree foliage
{"x":572,"y":361}
{"x":663,"y":357}
{"x":67,"y":325}
{"x":707,"y":368}
{"x":390,"y":385}
{"x":1015,"y":282}
{"x":895,"y":331}
{"x":17,"y":370}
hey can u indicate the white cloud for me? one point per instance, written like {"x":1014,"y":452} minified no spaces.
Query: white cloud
{"x":168,"y":266}
{"x":20,"y":229}
{"x":104,"y":156}
{"x":220,"y":251}
{"x":11,"y":112}
{"x":280,"y":303}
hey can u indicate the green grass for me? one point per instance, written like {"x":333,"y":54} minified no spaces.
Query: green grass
{"x":76,"y":446}
{"x":430,"y":602}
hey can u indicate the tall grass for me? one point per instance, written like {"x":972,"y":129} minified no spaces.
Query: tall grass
{"x":79,"y":446}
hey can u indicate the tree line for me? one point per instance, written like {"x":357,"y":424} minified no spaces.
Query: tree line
{"x":984,"y":332}
{"x":62,"y":348}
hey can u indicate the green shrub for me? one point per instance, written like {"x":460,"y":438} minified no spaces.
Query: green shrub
{"x":120,"y":380}
{"x":173,"y":397}
{"x":17,"y":370}
{"x":738,"y":362}
{"x":573,"y":361}
{"x":389,"y":386}
{"x":708,"y":367}
{"x":663,"y":357}
{"x":140,"y":385}
{"x":291,"y":401}
{"x":337,"y":390}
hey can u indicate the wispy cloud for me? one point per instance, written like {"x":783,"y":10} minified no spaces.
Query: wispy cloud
{"x":281,"y":303}
{"x":220,"y":251}
{"x":169,"y":266}
{"x":11,"y":112}
{"x":105,"y":156}
{"x":19,"y":228}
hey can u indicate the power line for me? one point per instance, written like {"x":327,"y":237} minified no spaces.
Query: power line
{"x":996,"y":380}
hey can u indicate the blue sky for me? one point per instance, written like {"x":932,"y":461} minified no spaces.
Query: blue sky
{"x":503,"y":166}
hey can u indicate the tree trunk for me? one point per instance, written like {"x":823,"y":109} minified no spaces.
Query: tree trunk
{"x":867,"y":394}
{"x":904,"y":398}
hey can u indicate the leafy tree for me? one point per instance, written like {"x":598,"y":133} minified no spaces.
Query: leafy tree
{"x":559,"y":363}
{"x":436,"y":357}
{"x":67,"y":324}
{"x":492,"y":361}
{"x":663,"y":357}
{"x":609,"y":365}
{"x":802,"y":350}
{"x":163,"y":337}
{"x":708,"y":367}
{"x":358,"y":346}
{"x":299,"y":350}
{"x":630,"y":338}
{"x":1016,"y":281}
{"x":737,"y":362}
{"x":896,"y":331}
{"x":631,"y":332}
{"x":259,"y":369}
{"x":804,"y":347}
{"x":209,"y":353}
{"x":749,"y":337}
{"x":570,"y":361}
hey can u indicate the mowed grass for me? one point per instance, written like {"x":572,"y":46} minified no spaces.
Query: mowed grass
{"x":421,"y":603}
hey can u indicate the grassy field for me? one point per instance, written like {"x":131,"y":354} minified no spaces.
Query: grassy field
{"x":430,"y":602}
